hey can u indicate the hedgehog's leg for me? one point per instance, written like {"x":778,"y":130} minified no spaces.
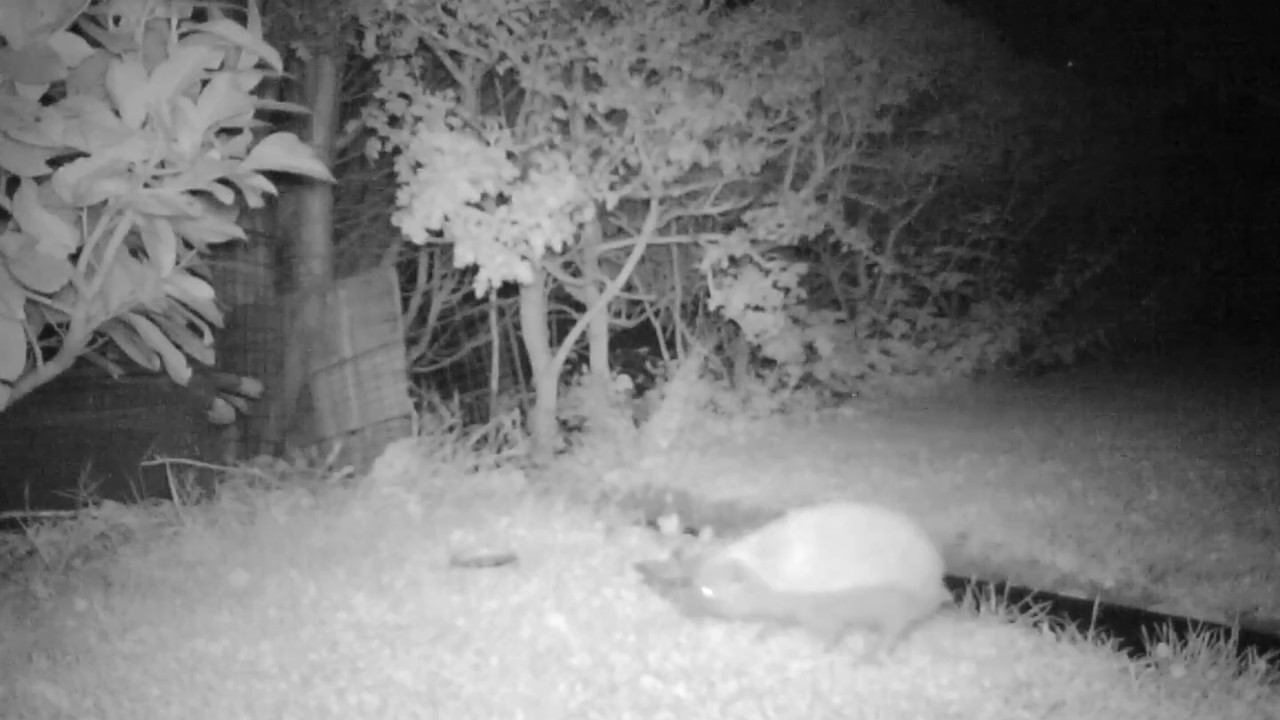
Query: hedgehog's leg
{"x":887,"y":636}
{"x":827,"y":630}
{"x":878,"y":645}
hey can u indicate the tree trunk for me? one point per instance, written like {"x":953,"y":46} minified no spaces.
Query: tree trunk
{"x":598,"y":324}
{"x":312,"y":268}
{"x":543,"y":425}
{"x":546,"y":374}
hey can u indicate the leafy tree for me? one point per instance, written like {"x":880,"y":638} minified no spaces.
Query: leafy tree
{"x":555,"y":144}
{"x":127,"y":139}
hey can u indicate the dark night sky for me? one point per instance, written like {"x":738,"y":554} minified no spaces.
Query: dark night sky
{"x":1230,"y":45}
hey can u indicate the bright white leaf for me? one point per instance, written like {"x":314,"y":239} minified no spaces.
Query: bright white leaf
{"x":246,"y":80}
{"x":188,"y":287}
{"x":220,"y":412}
{"x":284,"y":152}
{"x":175,"y":363}
{"x":45,"y":274}
{"x":239,"y":403}
{"x":162,"y":202}
{"x":194,"y":293}
{"x":254,"y":186}
{"x":128,"y":89}
{"x":161,"y":243}
{"x":127,"y":339}
{"x":281,"y":106}
{"x":250,"y":387}
{"x":187,"y":128}
{"x":209,"y":229}
{"x":222,"y":98}
{"x":194,"y":345}
{"x":70,"y":47}
{"x":252,"y":25}
{"x":55,"y":235}
{"x":197,"y":323}
{"x":185,"y":65}
{"x":241,"y":36}
{"x":22,"y":159}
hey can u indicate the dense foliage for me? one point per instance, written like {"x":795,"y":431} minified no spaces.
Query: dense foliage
{"x":851,"y":189}
{"x":128,"y":139}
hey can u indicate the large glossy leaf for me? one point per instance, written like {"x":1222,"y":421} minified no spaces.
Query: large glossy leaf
{"x":127,"y":339}
{"x":196,"y":294}
{"x":186,"y":128}
{"x":184,"y":66}
{"x":161,"y":243}
{"x":216,"y":225}
{"x":221,"y":192}
{"x":40,"y":272}
{"x":195,"y":321}
{"x":253,"y":186}
{"x":127,"y":87}
{"x":175,"y":363}
{"x":241,"y":36}
{"x":222,"y":98}
{"x":284,"y":152}
{"x":191,"y":343}
{"x":281,"y":106}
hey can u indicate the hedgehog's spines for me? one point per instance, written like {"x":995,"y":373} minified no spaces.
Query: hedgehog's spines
{"x":827,"y":568}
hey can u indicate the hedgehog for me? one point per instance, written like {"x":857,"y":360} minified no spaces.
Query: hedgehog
{"x":826,"y":568}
